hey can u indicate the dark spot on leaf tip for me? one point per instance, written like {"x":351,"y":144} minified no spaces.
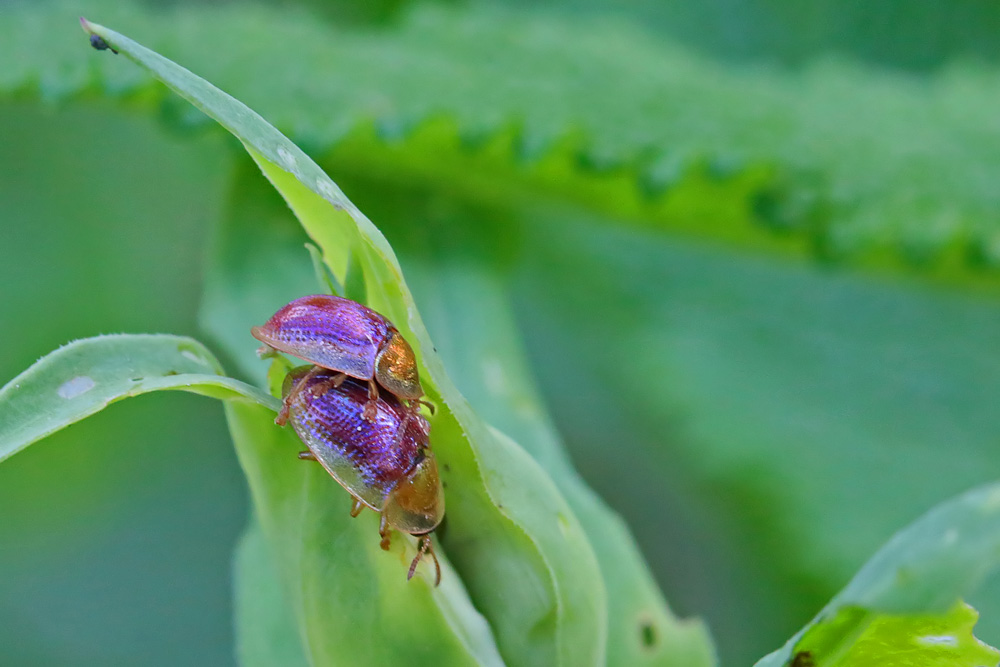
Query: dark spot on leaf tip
{"x":168,"y":373}
{"x":444,"y":485}
{"x":803,"y":659}
{"x":648,"y":635}
{"x":138,"y":379}
{"x":98,"y":43}
{"x":447,"y":468}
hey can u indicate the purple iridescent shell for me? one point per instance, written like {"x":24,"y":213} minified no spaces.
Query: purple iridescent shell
{"x":344,"y":336}
{"x":368,"y":458}
{"x":328,"y":331}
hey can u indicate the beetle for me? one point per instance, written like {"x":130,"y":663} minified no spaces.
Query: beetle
{"x":98,"y":43}
{"x":385,"y":463}
{"x":344,"y":336}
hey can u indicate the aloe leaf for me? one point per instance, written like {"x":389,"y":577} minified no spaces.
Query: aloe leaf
{"x":641,"y":629}
{"x":493,"y":480}
{"x":910,"y":588}
{"x":312,"y":518}
{"x":85,"y":376}
{"x":265,"y":626}
{"x":517,"y":545}
{"x":462,"y":290}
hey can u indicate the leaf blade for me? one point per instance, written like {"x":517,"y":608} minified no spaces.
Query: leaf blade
{"x":85,"y":376}
{"x":337,"y":571}
{"x":925,"y":569}
{"x":499,"y":485}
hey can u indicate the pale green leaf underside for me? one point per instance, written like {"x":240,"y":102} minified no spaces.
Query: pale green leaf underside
{"x":857,"y":638}
{"x":509,"y":515}
{"x":921,"y":572}
{"x":85,"y":376}
{"x":851,"y":160}
{"x":265,"y":627}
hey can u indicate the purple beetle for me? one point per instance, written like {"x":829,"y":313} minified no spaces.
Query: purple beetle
{"x":345,"y":336}
{"x":385,"y":462}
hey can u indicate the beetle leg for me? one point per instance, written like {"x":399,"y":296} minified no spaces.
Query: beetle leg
{"x":370,"y":406}
{"x":282,"y":417}
{"x":356,"y":507}
{"x":425,"y":547}
{"x":307,"y":456}
{"x":415,"y":403}
{"x":338,"y":379}
{"x":383,"y":530}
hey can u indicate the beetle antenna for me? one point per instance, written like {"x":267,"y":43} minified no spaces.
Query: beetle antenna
{"x":425,"y":547}
{"x":416,"y":559}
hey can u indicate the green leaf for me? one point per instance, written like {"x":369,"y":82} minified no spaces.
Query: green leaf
{"x":910,"y":587}
{"x":85,"y":376}
{"x":490,"y":368}
{"x":506,"y":522}
{"x":645,"y":132}
{"x":857,"y":638}
{"x":461,"y":287}
{"x":324,"y":277}
{"x":340,"y":574}
{"x":265,"y":624}
{"x":776,"y":396}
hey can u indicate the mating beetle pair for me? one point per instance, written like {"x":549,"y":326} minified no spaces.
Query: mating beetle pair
{"x":375,"y":444}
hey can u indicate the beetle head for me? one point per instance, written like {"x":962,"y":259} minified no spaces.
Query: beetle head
{"x":396,"y":367}
{"x":416,"y":503}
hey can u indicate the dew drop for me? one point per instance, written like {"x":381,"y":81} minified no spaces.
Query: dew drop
{"x":287,"y":159}
{"x":326,"y":188}
{"x":81,"y":384}
{"x":188,"y":354}
{"x":938,"y":640}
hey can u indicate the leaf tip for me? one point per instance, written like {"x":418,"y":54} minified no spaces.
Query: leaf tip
{"x":96,"y":40}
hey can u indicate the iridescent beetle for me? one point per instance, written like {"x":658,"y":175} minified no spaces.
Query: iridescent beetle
{"x":384,"y":462}
{"x":345,"y":336}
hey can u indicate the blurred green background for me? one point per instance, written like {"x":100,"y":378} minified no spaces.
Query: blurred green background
{"x":768,"y":370}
